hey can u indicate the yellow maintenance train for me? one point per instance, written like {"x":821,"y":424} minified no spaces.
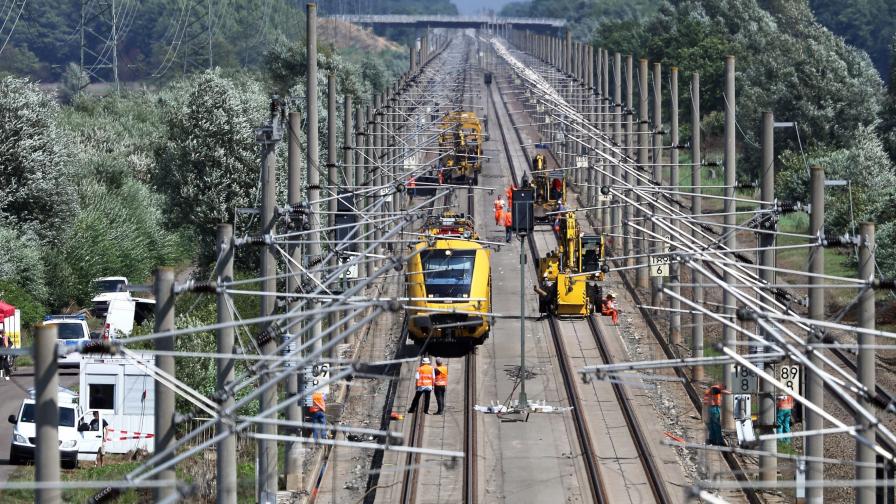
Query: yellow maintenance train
{"x":449,"y":284}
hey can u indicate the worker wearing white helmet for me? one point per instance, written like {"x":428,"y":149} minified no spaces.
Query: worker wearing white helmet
{"x":426,"y":377}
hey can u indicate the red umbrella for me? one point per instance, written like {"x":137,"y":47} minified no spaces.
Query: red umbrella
{"x":6,"y":309}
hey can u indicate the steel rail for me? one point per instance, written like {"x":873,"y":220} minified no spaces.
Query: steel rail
{"x":645,"y":454}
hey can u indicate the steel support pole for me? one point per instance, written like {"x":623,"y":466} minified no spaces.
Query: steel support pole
{"x":728,"y":334}
{"x":768,"y":464}
{"x":674,"y":266}
{"x":226,"y":448}
{"x":814,"y":383}
{"x":696,"y":211}
{"x":413,"y":57}
{"x":267,"y":449}
{"x":657,"y":247}
{"x":164,"y":396}
{"x":866,"y":363}
{"x":591,"y":177}
{"x":643,"y":161}
{"x":46,"y":416}
{"x":628,"y":211}
{"x":294,"y":451}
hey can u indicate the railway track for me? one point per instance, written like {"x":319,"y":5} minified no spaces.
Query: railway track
{"x":696,"y":399}
{"x":589,"y":455}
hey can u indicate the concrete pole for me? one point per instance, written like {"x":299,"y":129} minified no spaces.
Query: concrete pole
{"x":378,"y":165}
{"x":814,"y":384}
{"x":768,"y":464}
{"x":332,"y":183}
{"x":643,"y":161}
{"x":226,"y":447}
{"x":413,"y":57}
{"x":567,"y":53}
{"x":697,"y":211}
{"x":657,"y":247}
{"x":164,"y":396}
{"x":360,"y":142}
{"x":46,"y":384}
{"x":294,"y":451}
{"x":628,"y":212}
{"x":866,"y":363}
{"x":616,"y":212}
{"x":348,"y":156}
{"x":267,"y":449}
{"x":604,"y":126}
{"x":674,"y":267}
{"x":728,"y":334}
{"x":589,"y":108}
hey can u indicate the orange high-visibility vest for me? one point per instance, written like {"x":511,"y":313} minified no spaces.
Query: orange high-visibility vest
{"x":442,"y":376}
{"x":499,"y":204}
{"x":785,"y":402}
{"x":412,"y":183}
{"x":317,"y":403}
{"x":508,"y":218}
{"x":711,"y":399}
{"x":424,"y":376}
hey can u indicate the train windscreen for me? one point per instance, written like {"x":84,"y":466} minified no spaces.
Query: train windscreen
{"x":448,"y":275}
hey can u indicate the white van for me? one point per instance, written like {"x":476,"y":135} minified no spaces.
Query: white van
{"x":71,"y":330}
{"x":76,"y":441}
{"x":107,"y":289}
{"x":119,"y":387}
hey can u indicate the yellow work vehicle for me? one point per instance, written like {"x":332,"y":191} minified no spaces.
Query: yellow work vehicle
{"x":550,"y":189}
{"x":571,"y":274}
{"x":449,"y":286}
{"x":460,"y":146}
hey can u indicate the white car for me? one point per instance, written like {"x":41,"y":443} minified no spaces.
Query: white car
{"x":76,"y":440}
{"x":71,"y":330}
{"x":107,"y":289}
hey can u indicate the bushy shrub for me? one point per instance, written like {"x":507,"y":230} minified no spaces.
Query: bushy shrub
{"x":22,"y":262}
{"x":118,"y":232}
{"x":32,"y":309}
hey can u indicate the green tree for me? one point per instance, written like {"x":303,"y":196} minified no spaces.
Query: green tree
{"x":35,"y":188}
{"x":207,"y":162}
{"x":22,"y":262}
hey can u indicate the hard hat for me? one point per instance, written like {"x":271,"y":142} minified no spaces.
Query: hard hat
{"x":425,"y":360}
{"x":612,"y":293}
{"x":438,"y":360}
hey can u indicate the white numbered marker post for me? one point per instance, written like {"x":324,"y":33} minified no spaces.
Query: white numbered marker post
{"x":659,"y":266}
{"x":789,"y":375}
{"x":744,"y":380}
{"x":314,"y":376}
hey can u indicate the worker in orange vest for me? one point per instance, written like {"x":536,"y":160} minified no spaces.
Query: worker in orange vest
{"x":712,"y":402}
{"x":441,"y":383}
{"x":608,"y":308}
{"x":507,"y":219}
{"x":318,"y":410}
{"x":499,"y":209}
{"x":784,"y":416}
{"x":426,"y":377}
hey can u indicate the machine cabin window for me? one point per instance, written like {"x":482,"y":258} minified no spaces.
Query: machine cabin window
{"x":448,"y":276}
